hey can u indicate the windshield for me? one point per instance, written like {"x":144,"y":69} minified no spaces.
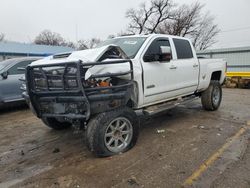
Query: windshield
{"x":5,"y":63}
{"x":130,"y":45}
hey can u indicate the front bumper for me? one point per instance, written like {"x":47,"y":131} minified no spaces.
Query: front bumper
{"x":73,"y":103}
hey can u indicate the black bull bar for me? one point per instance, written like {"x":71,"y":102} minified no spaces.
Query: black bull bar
{"x":79,"y":94}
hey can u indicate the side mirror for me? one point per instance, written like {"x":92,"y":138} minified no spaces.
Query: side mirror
{"x":5,"y":75}
{"x":165,"y":53}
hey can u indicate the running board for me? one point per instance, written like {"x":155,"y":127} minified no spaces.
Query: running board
{"x":155,"y":109}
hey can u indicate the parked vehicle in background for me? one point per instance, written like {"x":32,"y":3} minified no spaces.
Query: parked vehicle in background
{"x":103,"y":88}
{"x":10,"y":76}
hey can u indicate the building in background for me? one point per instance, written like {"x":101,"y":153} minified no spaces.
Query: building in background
{"x":238,"y":64}
{"x":238,"y":59}
{"x":14,"y":49}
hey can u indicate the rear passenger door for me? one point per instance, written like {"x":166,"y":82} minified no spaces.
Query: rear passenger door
{"x":186,"y":68}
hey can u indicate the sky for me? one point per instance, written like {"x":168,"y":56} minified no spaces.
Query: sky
{"x":22,"y":20}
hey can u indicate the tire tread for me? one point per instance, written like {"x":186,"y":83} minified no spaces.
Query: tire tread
{"x":97,"y":126}
{"x":206,"y":97}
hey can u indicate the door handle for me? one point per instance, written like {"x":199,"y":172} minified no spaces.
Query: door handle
{"x":195,"y":65}
{"x":150,"y":86}
{"x":173,"y":67}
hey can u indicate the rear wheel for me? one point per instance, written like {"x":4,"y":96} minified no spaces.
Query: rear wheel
{"x":55,"y":124}
{"x":211,"y":97}
{"x":112,"y":132}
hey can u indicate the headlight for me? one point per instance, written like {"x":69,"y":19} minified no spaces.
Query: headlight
{"x":40,"y":83}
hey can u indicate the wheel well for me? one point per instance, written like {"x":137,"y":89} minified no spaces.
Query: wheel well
{"x":216,"y":75}
{"x":130,"y":103}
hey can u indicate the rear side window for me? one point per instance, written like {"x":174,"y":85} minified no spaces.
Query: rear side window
{"x":183,"y":49}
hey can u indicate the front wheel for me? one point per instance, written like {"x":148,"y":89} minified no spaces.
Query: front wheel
{"x":112,"y":132}
{"x":211,"y":97}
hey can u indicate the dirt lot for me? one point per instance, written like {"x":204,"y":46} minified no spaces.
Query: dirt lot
{"x":196,"y":148}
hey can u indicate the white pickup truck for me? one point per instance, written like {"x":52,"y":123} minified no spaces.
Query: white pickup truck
{"x":102,"y":89}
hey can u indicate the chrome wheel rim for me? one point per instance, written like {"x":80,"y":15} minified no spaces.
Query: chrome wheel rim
{"x":216,"y":96}
{"x":118,"y":134}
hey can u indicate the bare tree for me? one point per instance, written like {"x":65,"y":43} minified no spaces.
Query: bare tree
{"x":93,"y":42}
{"x":87,"y":44}
{"x":2,"y":37}
{"x":147,"y":18}
{"x":139,"y":18}
{"x":82,"y":45}
{"x":189,"y":21}
{"x":185,"y":20}
{"x":48,"y":37}
{"x":162,"y":13}
{"x":205,"y":35}
{"x":69,"y":44}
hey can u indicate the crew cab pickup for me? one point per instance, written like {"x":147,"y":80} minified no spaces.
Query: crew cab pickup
{"x":103,"y":89}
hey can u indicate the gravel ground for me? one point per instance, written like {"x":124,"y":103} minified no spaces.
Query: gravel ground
{"x":32,"y":155}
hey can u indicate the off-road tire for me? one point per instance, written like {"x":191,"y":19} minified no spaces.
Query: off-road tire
{"x":57,"y":125}
{"x":97,"y":126}
{"x":207,"y":96}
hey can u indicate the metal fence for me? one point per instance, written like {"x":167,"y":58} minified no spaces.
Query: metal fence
{"x":238,"y":59}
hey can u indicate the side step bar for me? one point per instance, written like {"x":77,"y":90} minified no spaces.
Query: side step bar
{"x":152,"y":110}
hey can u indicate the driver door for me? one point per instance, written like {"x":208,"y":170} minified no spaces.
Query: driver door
{"x":158,"y":75}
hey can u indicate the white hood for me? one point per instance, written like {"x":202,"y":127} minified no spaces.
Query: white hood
{"x":89,"y":55}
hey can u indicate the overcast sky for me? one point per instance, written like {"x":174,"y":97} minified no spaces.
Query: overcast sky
{"x":22,"y":20}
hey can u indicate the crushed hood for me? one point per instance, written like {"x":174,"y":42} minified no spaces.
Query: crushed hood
{"x":89,"y":55}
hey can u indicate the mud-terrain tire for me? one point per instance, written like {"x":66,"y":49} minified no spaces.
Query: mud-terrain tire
{"x":211,"y":97}
{"x":112,"y":132}
{"x":57,"y":125}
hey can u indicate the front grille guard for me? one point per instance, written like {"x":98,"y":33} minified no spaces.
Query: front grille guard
{"x":80,"y":94}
